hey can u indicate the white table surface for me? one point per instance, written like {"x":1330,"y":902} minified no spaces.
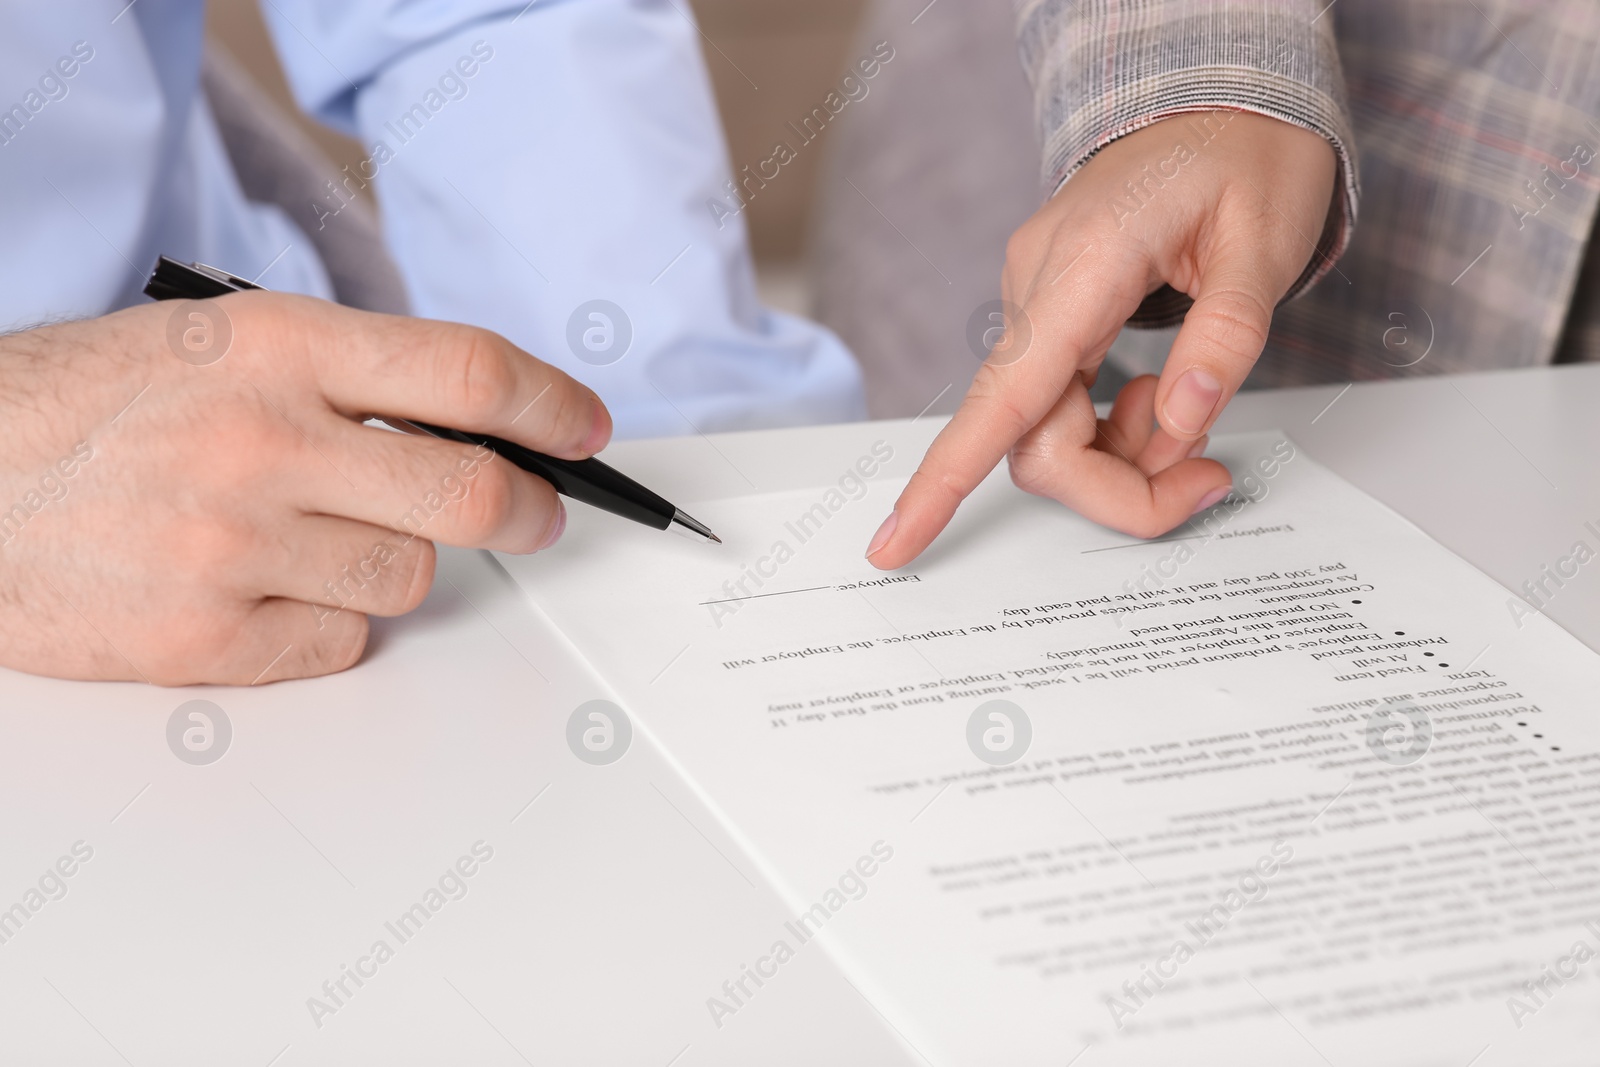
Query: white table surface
{"x":220,"y":897}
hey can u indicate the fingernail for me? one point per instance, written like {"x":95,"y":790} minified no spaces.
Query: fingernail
{"x":1213,"y":498}
{"x":885,"y":532}
{"x":1192,"y":400}
{"x":1198,"y":449}
{"x":557,"y":528}
{"x":600,"y":431}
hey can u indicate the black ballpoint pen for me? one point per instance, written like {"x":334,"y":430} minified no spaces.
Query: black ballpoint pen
{"x":588,"y":480}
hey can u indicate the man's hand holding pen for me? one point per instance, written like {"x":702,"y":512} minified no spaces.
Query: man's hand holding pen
{"x":182,"y":515}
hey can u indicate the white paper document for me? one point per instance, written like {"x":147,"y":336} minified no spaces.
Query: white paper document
{"x":1290,"y":785}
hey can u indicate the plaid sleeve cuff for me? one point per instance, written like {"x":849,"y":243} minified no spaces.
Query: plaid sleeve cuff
{"x":1104,"y":68}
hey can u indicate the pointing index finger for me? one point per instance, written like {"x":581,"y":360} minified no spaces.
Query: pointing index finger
{"x":1071,"y":321}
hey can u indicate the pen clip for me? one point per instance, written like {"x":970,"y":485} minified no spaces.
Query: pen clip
{"x":175,"y":280}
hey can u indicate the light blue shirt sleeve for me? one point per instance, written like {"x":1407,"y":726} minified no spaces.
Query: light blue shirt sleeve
{"x":547,"y":171}
{"x":109,"y":157}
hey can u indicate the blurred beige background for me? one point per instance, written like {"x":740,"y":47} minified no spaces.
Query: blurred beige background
{"x":769,"y":60}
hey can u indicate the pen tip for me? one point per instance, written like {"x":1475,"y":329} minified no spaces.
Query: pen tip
{"x":692,"y":527}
